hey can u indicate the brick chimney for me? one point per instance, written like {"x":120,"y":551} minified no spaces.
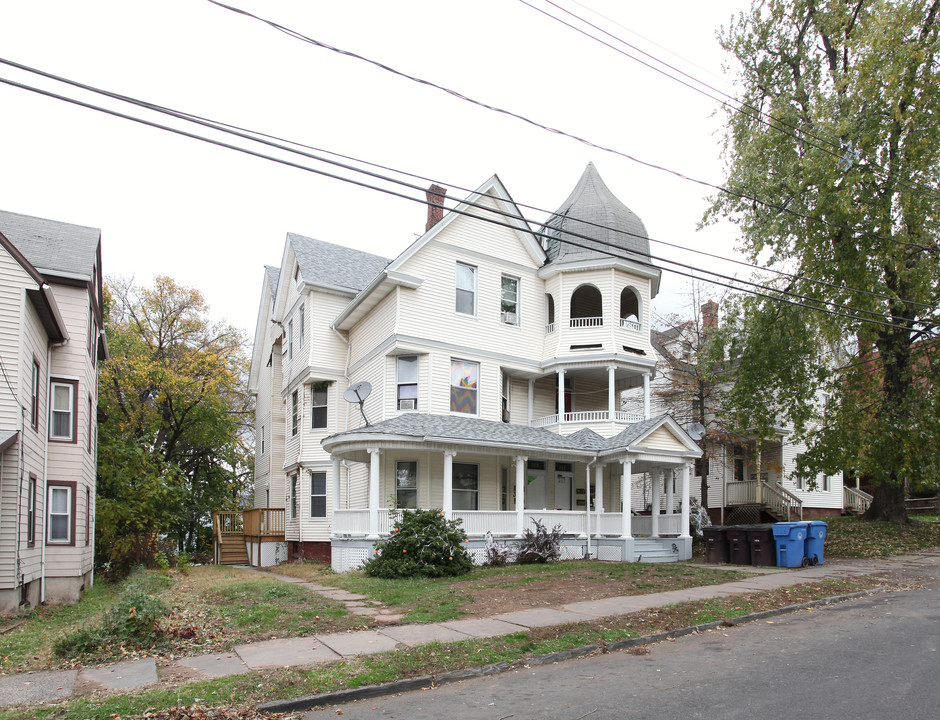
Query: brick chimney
{"x":435,"y":196}
{"x":710,"y":314}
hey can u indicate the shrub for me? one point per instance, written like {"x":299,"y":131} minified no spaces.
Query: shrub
{"x":497,"y":555}
{"x":540,"y":545}
{"x":422,"y":543}
{"x":698,"y":517}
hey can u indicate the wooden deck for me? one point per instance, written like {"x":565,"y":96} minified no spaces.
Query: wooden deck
{"x":233,"y":532}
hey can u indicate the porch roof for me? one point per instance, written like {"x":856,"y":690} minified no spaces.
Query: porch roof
{"x":450,"y":430}
{"x":7,"y":438}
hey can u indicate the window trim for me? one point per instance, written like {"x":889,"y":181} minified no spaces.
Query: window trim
{"x":91,"y":427}
{"x":301,"y":334}
{"x":87,"y":516}
{"x":474,"y":493}
{"x":73,"y":390}
{"x":323,"y":387}
{"x":262,"y":439}
{"x":517,"y":320}
{"x":294,"y":414}
{"x":34,"y":394}
{"x":398,"y":464}
{"x":314,"y":495}
{"x":473,"y":291}
{"x":32,"y":491}
{"x":292,"y":500}
{"x":72,"y":488}
{"x":399,"y":384}
{"x":290,"y":339}
{"x":476,"y":389}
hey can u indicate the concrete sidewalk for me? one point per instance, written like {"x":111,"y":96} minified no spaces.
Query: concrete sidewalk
{"x":287,"y":652}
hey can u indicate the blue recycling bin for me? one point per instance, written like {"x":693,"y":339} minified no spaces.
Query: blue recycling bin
{"x":790,"y":538}
{"x":815,"y":541}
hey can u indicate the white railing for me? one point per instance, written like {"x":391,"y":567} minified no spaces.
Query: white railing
{"x":741,"y":493}
{"x":572,"y":522}
{"x":350,"y":522}
{"x":630,"y":325}
{"x":780,"y":501}
{"x":586,"y":322}
{"x":477,"y":522}
{"x":607,"y":523}
{"x":669,"y":524}
{"x":588,"y":416}
{"x":855,"y":500}
{"x":550,"y":328}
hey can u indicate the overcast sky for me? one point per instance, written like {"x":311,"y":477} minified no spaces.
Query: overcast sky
{"x":211,"y":218}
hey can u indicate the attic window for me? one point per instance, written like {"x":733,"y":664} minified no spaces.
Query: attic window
{"x":594,"y":346}
{"x":635,"y":351}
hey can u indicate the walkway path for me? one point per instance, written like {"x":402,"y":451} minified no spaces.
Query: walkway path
{"x":56,"y":685}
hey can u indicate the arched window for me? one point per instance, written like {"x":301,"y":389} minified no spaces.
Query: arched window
{"x":587,"y":307}
{"x":630,"y":309}
{"x":549,"y":313}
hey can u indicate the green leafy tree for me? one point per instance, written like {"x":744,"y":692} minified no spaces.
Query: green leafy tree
{"x":175,"y":445}
{"x":833,"y":168}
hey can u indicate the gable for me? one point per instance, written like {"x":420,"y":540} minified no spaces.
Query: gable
{"x":663,"y":439}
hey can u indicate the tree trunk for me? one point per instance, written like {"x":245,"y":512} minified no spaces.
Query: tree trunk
{"x":888,"y":503}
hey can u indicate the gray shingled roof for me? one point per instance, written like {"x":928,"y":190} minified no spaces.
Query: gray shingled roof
{"x":422,"y":426}
{"x":323,"y":263}
{"x":271,"y":275}
{"x":6,"y":438}
{"x":592,"y":211}
{"x":52,"y":246}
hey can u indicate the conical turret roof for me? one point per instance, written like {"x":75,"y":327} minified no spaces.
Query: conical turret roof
{"x":593,"y":223}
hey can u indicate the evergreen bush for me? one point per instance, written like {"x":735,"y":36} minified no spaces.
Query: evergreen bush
{"x":424,"y":543}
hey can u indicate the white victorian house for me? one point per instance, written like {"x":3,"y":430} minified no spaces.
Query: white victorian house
{"x":497,"y":358}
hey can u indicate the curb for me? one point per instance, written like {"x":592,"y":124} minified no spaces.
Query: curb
{"x":308,"y":702}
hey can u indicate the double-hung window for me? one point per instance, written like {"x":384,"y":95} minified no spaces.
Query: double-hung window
{"x":295,"y":413}
{"x":509,"y":301}
{"x":300,"y":318}
{"x":406,"y":484}
{"x":290,"y":338}
{"x":466,"y":486}
{"x":31,"y":512}
{"x":318,"y":494}
{"x":63,"y":411}
{"x":407,"y":382}
{"x":61,"y":514}
{"x":464,"y":387}
{"x":318,"y":405}
{"x":293,"y":497}
{"x":466,"y":289}
{"x":34,"y":397}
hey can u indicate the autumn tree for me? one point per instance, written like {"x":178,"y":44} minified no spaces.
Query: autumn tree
{"x":833,"y":164}
{"x":175,"y":444}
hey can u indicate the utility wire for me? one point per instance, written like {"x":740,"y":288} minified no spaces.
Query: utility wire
{"x":630,"y":257}
{"x":727,"y":191}
{"x":273,"y":141}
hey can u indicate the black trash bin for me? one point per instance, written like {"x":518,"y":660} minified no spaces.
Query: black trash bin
{"x":716,"y":544}
{"x":738,"y":547}
{"x":763,"y":545}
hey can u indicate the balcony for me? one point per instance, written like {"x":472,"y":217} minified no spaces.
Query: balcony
{"x":630,"y":325}
{"x":590,"y":417}
{"x":586,"y":322}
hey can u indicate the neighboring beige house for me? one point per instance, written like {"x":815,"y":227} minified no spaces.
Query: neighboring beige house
{"x":496,"y":357}
{"x":51,"y":341}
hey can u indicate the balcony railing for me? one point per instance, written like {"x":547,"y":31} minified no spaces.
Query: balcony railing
{"x":586,"y":322}
{"x":630,"y":325}
{"x":589,"y":417}
{"x":550,"y":328}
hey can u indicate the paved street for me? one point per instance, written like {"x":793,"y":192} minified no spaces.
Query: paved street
{"x":861,"y":659}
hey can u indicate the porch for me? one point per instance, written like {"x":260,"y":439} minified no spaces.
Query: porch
{"x":248,"y":537}
{"x":764,"y":495}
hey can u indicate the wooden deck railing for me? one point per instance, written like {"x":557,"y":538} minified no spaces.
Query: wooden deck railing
{"x":777,"y":499}
{"x":854,"y":500}
{"x":244,"y":527}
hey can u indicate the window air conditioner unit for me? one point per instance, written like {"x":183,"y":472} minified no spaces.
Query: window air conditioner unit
{"x":407,"y":404}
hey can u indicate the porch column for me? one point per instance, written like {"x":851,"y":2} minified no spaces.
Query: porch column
{"x":599,"y":490}
{"x":336,"y":490}
{"x":657,"y":481}
{"x":448,"y":504}
{"x":587,"y":510}
{"x":531,"y":401}
{"x":561,"y":396}
{"x":670,"y":487}
{"x":374,"y":454}
{"x":684,"y":523}
{"x":612,"y":393}
{"x":520,"y":494}
{"x":626,"y":501}
{"x":646,"y":396}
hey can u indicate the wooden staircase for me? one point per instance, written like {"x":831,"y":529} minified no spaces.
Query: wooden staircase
{"x":234,"y":531}
{"x":761,"y":496}
{"x":232,"y":550}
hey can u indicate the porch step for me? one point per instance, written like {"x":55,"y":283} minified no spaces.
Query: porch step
{"x":233,"y":552}
{"x":652,"y":551}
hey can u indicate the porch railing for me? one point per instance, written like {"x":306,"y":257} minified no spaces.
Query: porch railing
{"x":586,"y":322}
{"x":589,"y":416}
{"x":630,"y":325}
{"x":855,"y":500}
{"x":777,"y":499}
{"x":260,"y":522}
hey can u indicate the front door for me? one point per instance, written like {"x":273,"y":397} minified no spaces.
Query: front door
{"x":563,"y":483}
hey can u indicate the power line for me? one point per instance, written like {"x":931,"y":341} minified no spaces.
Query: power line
{"x":629,"y":257}
{"x":727,"y":191}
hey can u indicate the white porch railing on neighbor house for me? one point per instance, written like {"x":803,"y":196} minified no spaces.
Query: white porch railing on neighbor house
{"x":630,"y":325}
{"x":550,"y":328}
{"x":503,"y":523}
{"x":589,"y":416}
{"x":780,"y":501}
{"x":855,"y":500}
{"x":586,"y":322}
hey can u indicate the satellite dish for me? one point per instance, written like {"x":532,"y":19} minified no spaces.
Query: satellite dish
{"x":696,"y":431}
{"x":357,"y":393}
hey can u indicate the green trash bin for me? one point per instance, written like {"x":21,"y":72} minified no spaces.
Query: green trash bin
{"x":738,"y":547}
{"x":716,"y":544}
